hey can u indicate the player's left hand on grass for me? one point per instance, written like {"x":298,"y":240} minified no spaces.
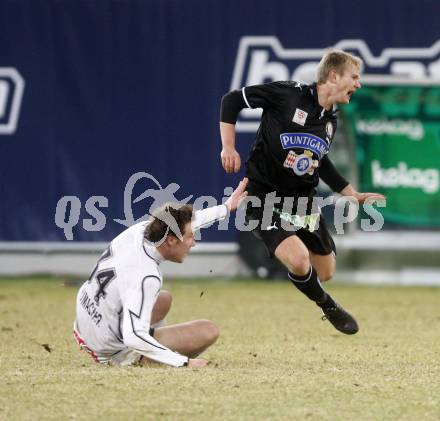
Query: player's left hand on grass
{"x":197,"y":363}
{"x":237,"y":196}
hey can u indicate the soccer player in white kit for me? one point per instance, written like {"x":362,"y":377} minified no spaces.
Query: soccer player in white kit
{"x":120,"y":308}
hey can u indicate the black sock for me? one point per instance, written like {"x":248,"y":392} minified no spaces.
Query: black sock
{"x":310,"y":286}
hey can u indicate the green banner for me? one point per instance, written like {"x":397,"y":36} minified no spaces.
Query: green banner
{"x":396,"y":130}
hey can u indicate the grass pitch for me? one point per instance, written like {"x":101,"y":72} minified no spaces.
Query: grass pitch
{"x":275,"y":358}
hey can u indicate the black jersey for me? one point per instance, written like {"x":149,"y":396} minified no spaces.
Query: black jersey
{"x":293,"y":139}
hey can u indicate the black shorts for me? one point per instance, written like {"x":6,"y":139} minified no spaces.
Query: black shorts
{"x":318,"y":241}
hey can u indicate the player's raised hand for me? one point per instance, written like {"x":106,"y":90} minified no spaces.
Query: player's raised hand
{"x":197,"y":362}
{"x":231,"y":160}
{"x":237,"y":195}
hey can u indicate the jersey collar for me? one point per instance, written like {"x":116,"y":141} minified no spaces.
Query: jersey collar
{"x":321,"y":110}
{"x":153,"y":253}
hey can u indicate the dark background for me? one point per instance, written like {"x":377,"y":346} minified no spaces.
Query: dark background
{"x":116,"y":87}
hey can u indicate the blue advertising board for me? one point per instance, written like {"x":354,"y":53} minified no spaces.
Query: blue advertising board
{"x":102,"y":100}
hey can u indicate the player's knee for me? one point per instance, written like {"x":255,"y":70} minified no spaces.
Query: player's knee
{"x":298,"y":263}
{"x":326,"y":274}
{"x":166,"y":299}
{"x":161,"y":307}
{"x":210,"y":332}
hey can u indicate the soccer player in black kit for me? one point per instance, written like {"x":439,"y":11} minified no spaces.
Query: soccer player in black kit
{"x":287,"y":160}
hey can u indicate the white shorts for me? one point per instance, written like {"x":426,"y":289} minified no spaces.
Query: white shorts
{"x":125,"y":356}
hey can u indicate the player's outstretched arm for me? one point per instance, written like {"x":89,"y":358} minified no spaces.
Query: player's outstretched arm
{"x":237,"y":196}
{"x":205,"y":217}
{"x":331,"y":176}
{"x":362,"y":197}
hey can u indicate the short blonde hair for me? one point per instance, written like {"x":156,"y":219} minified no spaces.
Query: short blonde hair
{"x":337,"y":60}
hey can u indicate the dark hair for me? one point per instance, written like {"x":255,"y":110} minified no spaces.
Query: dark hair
{"x":168,"y":219}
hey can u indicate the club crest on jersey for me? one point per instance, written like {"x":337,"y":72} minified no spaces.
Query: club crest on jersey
{"x":301,"y":164}
{"x":290,"y":160}
{"x":300,"y":117}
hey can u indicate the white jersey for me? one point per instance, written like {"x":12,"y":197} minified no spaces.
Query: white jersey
{"x":113,"y":308}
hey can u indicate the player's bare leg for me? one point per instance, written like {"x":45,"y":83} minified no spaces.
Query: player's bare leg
{"x":161,"y":308}
{"x":190,"y":338}
{"x":293,"y":254}
{"x":324,"y":265}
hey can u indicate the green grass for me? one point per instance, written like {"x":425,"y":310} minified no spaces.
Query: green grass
{"x":275,"y":358}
